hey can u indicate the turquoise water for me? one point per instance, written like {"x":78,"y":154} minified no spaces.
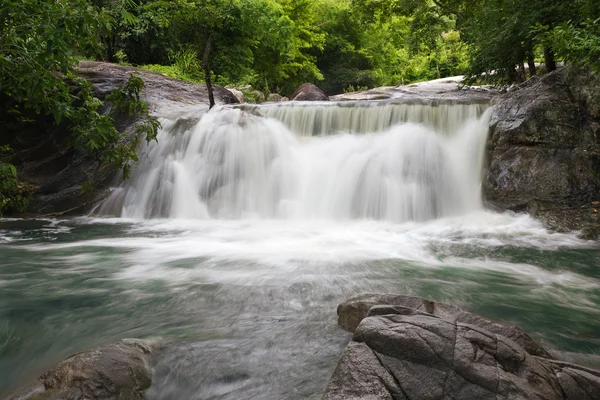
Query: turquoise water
{"x":250,"y":304}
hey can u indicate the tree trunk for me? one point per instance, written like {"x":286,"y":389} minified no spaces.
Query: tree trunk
{"x":549,"y":59}
{"x":206,"y":66}
{"x":522,"y":75}
{"x":531,"y":63}
{"x":530,"y":59}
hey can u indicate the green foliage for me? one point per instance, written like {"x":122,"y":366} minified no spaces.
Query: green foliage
{"x":96,"y":133}
{"x":13,"y":193}
{"x":40,"y":42}
{"x":37,"y":42}
{"x":576,"y":43}
{"x":173,"y":71}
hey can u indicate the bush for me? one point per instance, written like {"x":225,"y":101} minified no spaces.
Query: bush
{"x":13,"y":193}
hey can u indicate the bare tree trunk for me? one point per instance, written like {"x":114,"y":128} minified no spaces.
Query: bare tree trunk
{"x":530,"y":59}
{"x":206,"y":66}
{"x":549,"y":59}
{"x":531,"y":63}
{"x":521,"y":74}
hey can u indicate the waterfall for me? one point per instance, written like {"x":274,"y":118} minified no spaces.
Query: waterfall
{"x":355,"y":160}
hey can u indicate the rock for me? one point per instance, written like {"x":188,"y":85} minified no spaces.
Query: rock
{"x":274,"y":98}
{"x":44,"y":158}
{"x":239,"y":95}
{"x":354,"y":310}
{"x":120,"y":371}
{"x":284,"y":99}
{"x":309,"y":92}
{"x":590,"y":232}
{"x":430,"y":92}
{"x":544,"y":148}
{"x":258,"y":96}
{"x":399,"y":352}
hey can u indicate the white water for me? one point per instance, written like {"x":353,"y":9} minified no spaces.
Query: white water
{"x":416,"y":163}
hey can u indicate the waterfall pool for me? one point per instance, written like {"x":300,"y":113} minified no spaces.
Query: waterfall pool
{"x":251,"y":304}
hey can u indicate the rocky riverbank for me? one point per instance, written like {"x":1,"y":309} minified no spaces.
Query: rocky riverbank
{"x":544,"y":151}
{"x":45,"y":159}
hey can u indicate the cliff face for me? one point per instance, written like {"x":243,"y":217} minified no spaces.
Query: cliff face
{"x":44,"y":158}
{"x":544,"y":149}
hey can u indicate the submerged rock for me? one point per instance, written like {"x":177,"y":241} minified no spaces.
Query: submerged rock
{"x":309,"y":92}
{"x":119,"y":371}
{"x":544,"y":149}
{"x":411,"y":348}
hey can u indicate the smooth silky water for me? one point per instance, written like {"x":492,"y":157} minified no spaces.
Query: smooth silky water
{"x":238,"y":235}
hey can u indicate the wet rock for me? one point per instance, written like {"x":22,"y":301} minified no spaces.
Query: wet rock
{"x":120,"y":371}
{"x":401,"y":352}
{"x":590,"y":232}
{"x":309,"y":92}
{"x":544,"y":148}
{"x":446,"y":89}
{"x":353,"y":311}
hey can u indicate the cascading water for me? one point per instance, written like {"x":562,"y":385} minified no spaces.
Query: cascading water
{"x":386,"y":161}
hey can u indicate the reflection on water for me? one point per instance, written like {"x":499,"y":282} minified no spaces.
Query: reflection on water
{"x":250,"y":304}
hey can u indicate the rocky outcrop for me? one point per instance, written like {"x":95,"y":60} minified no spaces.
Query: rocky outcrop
{"x":309,"y":92}
{"x":446,"y":89}
{"x":354,"y":310}
{"x":410,"y":348}
{"x":544,"y":149}
{"x":44,"y":158}
{"x":120,"y":371}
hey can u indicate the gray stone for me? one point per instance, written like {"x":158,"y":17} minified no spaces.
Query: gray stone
{"x":352,"y":312}
{"x":239,"y":95}
{"x":120,"y":371}
{"x":259,"y":97}
{"x":544,"y":149}
{"x":309,"y":92}
{"x":419,"y":349}
{"x":274,"y":97}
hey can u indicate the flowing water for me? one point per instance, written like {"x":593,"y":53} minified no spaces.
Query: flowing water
{"x":240,"y":232}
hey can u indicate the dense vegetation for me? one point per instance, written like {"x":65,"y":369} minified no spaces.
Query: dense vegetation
{"x":273,"y":45}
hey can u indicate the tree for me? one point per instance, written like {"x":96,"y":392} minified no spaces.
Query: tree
{"x":39,"y":42}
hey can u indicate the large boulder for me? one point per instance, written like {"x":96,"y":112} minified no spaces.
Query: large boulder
{"x":309,"y":92}
{"x":400,"y":352}
{"x":120,"y":371}
{"x":544,"y":149}
{"x":354,"y":310}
